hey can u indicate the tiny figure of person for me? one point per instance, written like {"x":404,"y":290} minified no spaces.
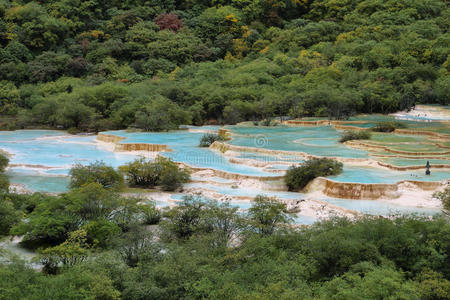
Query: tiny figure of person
{"x":427,"y":172}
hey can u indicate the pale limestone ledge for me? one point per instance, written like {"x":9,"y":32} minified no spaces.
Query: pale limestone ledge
{"x":19,"y":189}
{"x":307,"y":206}
{"x":126,"y":147}
{"x":331,"y":188}
{"x":405,"y":189}
{"x":6,"y":153}
{"x":109,"y":146}
{"x":224,"y":148}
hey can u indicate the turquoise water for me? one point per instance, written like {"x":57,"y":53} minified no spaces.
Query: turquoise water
{"x":13,"y":247}
{"x":37,"y":182}
{"x":415,"y":162}
{"x":185,"y":149}
{"x":56,"y":149}
{"x":278,"y":167}
{"x":320,"y":140}
{"x":60,"y":150}
{"x":212,"y":178}
{"x":246,"y":192}
{"x":376,"y":175}
{"x":306,"y":220}
{"x":380,"y":207}
{"x":239,"y":204}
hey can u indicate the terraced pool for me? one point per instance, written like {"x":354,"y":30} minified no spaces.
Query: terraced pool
{"x":42,"y":159}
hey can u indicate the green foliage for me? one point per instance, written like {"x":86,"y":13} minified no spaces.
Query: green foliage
{"x":444,"y":196}
{"x":97,"y":172}
{"x":72,"y":251}
{"x":433,"y":285}
{"x":161,"y":115}
{"x":150,"y":213}
{"x":203,"y":245}
{"x":99,"y":232}
{"x":161,"y":172}
{"x":9,"y":216}
{"x":48,"y":223}
{"x":209,"y":138}
{"x":185,"y":219}
{"x":366,"y":281}
{"x":98,"y":211}
{"x":4,"y":181}
{"x":18,"y":281}
{"x":388,"y":126}
{"x":297,"y":178}
{"x":135,"y":244}
{"x":217,"y":61}
{"x":197,"y":216}
{"x":266,"y":214}
{"x":355,"y":135}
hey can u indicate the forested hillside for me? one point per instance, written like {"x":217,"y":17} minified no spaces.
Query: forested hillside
{"x":95,"y":65}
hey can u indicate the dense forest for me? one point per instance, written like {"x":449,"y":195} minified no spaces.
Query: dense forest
{"x":156,"y":64}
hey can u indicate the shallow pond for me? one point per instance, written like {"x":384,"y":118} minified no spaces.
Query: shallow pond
{"x":319,"y":140}
{"x":43,"y":158}
{"x":184,"y":146}
{"x":377,"y":175}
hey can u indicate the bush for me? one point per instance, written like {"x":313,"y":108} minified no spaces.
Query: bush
{"x":268,"y":122}
{"x":298,"y":177}
{"x":97,"y":172}
{"x":8,"y":216}
{"x":388,"y":126}
{"x":354,"y":135}
{"x":172,"y":177}
{"x":148,"y":174}
{"x":4,"y":161}
{"x":150,"y":213}
{"x":266,"y":214}
{"x":4,"y":181}
{"x":73,"y":130}
{"x":209,"y":138}
{"x":444,"y":196}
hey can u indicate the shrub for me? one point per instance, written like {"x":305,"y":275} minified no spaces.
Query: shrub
{"x":388,"y":126}
{"x":266,"y":214}
{"x":150,"y":213}
{"x":8,"y":215}
{"x":298,"y":177}
{"x":97,"y":172}
{"x":172,"y":177}
{"x":164,"y":172}
{"x":444,"y":196}
{"x":4,"y":160}
{"x":73,"y":130}
{"x":4,"y":181}
{"x":354,"y":135}
{"x":209,"y":138}
{"x":268,"y":122}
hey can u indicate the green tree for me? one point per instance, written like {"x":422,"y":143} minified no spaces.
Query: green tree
{"x":297,"y":178}
{"x":444,"y":196}
{"x":72,"y":251}
{"x":97,"y":172}
{"x":267,"y":214}
{"x":366,"y":281}
{"x":9,"y":216}
{"x":185,"y":219}
{"x":162,"y":172}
